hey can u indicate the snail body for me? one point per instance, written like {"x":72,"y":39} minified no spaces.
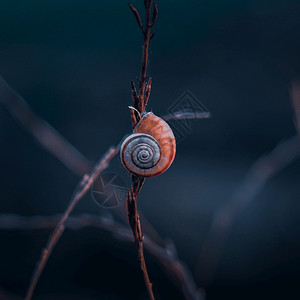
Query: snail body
{"x":151,"y":149}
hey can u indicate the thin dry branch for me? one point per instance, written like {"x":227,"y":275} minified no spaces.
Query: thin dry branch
{"x":155,"y":14}
{"x":45,"y":134}
{"x":147,"y":92}
{"x":181,"y":115}
{"x":135,"y":224}
{"x":148,"y":35}
{"x":137,"y":16}
{"x":135,"y":100}
{"x":260,"y":172}
{"x":83,"y":187}
{"x":140,"y":102}
{"x":166,"y":255}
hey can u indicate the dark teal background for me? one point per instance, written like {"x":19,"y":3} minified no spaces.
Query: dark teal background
{"x":73,"y":62}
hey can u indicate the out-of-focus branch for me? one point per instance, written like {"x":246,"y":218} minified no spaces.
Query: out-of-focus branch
{"x":181,"y":115}
{"x":166,"y":255}
{"x":51,"y":141}
{"x":295,"y":96}
{"x":45,"y":134}
{"x":83,"y":187}
{"x":260,"y":172}
{"x":57,"y":145}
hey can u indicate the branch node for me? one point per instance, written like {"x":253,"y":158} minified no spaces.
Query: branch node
{"x":152,"y":35}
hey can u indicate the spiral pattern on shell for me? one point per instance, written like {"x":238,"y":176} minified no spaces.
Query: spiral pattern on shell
{"x":151,"y":149}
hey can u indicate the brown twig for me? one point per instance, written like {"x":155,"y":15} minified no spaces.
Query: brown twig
{"x":148,"y":35}
{"x":137,"y":16}
{"x":83,"y":187}
{"x":135,"y":100}
{"x":135,"y":224}
{"x":140,"y":102}
{"x":147,"y":91}
{"x":45,"y":134}
{"x":166,"y":255}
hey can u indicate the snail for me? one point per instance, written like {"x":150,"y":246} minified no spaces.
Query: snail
{"x":151,"y":149}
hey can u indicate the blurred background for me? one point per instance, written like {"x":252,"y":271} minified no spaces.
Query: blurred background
{"x":73,"y":61}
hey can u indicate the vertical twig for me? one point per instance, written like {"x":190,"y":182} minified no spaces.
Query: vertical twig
{"x":135,"y":100}
{"x":134,"y":221}
{"x":140,"y":102}
{"x":145,"y":57}
{"x":148,"y":35}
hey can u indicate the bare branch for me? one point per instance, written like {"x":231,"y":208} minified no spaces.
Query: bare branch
{"x":148,"y":90}
{"x":83,"y":187}
{"x":137,"y":182}
{"x":137,"y":16}
{"x":141,"y":103}
{"x":135,"y":224}
{"x":134,"y":221}
{"x":166,"y":255}
{"x":145,"y":57}
{"x":261,"y":171}
{"x":181,"y":115}
{"x":155,"y":14}
{"x":45,"y":134}
{"x":135,"y":100}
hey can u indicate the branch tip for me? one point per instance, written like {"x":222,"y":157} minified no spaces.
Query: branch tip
{"x":155,"y":14}
{"x":137,"y":15}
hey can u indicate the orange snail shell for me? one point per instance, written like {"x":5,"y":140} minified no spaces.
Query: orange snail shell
{"x":151,"y":149}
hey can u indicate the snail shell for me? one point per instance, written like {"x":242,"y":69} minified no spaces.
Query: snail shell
{"x":151,"y":149}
